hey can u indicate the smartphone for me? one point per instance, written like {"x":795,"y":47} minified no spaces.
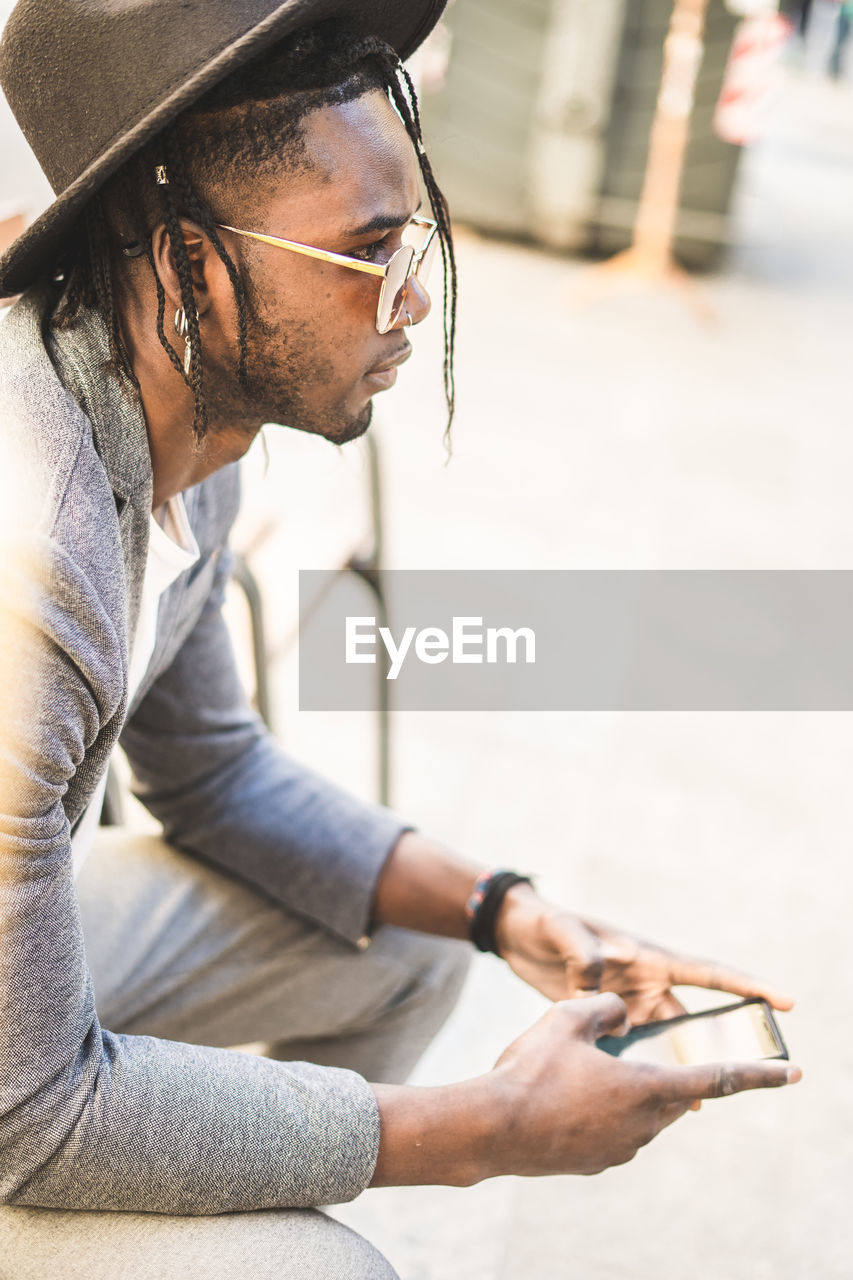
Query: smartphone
{"x":734,"y":1033}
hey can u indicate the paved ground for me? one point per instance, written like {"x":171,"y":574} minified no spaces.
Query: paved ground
{"x":621,"y":435}
{"x":627,"y":435}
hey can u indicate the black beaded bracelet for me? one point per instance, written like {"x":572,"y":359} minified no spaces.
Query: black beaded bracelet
{"x":485,"y":903}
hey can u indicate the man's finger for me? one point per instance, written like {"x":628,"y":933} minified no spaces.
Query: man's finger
{"x":668,"y":1006}
{"x":674,"y":1111}
{"x":687,"y":972}
{"x":581,"y":951}
{"x":588,"y":979}
{"x":603,"y":1015}
{"x":719,"y":1079}
{"x":619,"y":949}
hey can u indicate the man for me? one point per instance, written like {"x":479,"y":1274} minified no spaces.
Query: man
{"x":232,"y":243}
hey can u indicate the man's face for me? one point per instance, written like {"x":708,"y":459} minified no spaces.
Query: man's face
{"x":315,"y":358}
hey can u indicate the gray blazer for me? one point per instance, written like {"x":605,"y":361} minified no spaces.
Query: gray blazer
{"x":88,"y":1119}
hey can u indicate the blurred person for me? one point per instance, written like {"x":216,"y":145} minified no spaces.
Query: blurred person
{"x":799,"y":12}
{"x":803,"y":17}
{"x":236,"y":240}
{"x":842,"y":35}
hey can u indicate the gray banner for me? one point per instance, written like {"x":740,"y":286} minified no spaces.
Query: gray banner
{"x":578,"y":641}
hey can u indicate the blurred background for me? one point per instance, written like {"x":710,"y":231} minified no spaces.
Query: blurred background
{"x":655,"y":243}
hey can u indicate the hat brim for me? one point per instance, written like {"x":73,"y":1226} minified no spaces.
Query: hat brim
{"x":403,"y":25}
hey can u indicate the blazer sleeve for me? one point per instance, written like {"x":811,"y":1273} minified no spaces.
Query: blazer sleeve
{"x":206,"y":767}
{"x":90,"y":1119}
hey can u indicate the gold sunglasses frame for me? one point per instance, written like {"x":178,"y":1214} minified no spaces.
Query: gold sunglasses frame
{"x":355,"y":264}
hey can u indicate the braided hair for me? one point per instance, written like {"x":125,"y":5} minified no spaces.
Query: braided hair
{"x":249,"y":124}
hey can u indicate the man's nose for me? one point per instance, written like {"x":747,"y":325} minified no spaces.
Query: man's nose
{"x":417,"y":306}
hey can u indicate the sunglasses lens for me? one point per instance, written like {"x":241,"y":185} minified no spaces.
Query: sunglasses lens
{"x":394,"y":286}
{"x":426,"y":262}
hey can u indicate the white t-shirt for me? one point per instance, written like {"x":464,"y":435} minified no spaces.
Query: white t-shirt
{"x":172,"y":550}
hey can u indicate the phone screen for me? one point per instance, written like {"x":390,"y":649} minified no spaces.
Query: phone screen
{"x":738,"y":1033}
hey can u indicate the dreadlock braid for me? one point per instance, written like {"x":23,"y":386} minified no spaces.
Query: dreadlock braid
{"x":195,"y":378}
{"x":202,"y":215}
{"x":161,"y":313}
{"x":102,"y":275}
{"x":445,"y":237}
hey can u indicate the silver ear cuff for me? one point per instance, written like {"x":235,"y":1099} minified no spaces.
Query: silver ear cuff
{"x":182,"y":329}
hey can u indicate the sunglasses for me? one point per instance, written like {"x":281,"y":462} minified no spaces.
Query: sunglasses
{"x":406,"y":262}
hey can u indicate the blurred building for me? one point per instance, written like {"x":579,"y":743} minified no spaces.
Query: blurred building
{"x":537,"y":116}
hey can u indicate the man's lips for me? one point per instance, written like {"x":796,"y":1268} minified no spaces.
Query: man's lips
{"x":385,"y":374}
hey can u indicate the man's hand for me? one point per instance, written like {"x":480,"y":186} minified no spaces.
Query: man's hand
{"x":563,"y":955}
{"x":560,"y":954}
{"x":570,"y":1112}
{"x":553,"y":1104}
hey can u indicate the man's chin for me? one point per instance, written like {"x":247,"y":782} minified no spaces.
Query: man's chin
{"x":344,"y":429}
{"x":338,"y":428}
{"x":357,"y":426}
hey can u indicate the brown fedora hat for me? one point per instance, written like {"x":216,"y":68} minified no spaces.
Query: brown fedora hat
{"x":89,"y":83}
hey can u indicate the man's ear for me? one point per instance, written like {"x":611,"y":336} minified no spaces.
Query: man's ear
{"x":205,"y":263}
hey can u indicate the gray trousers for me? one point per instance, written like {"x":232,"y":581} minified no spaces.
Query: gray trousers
{"x":178,"y":950}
